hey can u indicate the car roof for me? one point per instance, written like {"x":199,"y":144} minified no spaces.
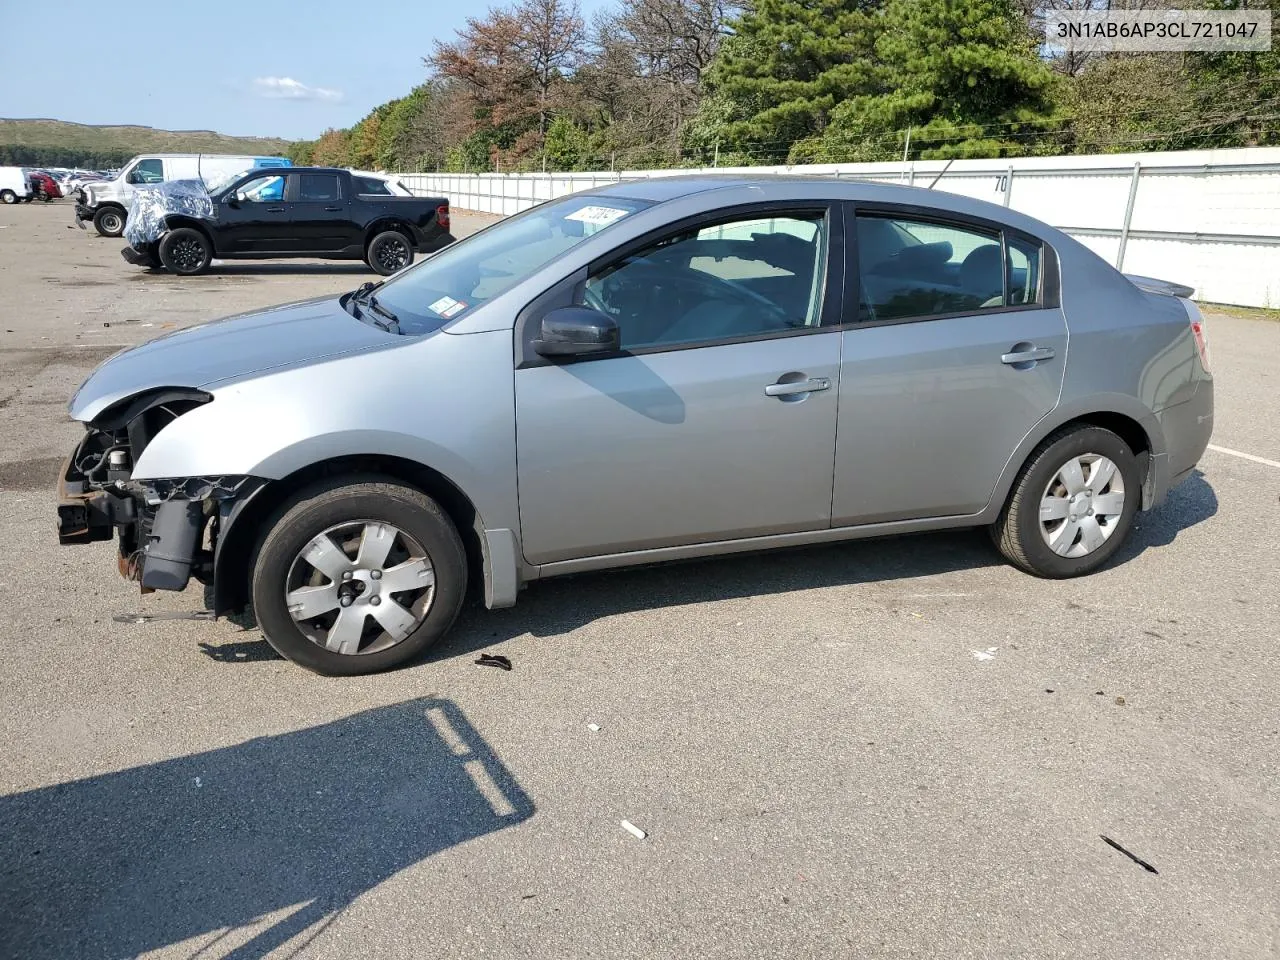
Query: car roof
{"x":662,"y":189}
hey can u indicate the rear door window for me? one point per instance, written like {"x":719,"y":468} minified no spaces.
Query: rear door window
{"x":318,"y":187}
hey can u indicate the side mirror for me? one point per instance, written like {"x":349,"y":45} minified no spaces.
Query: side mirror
{"x":233,"y":201}
{"x":576,"y":332}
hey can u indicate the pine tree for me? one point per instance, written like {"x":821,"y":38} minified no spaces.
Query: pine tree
{"x":964,"y":74}
{"x":786,"y":66}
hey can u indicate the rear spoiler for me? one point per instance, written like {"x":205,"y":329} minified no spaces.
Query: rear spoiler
{"x":1164,"y":288}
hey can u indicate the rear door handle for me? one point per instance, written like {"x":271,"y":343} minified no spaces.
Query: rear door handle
{"x":812,"y":385}
{"x":1028,"y":356}
{"x":332,"y":209}
{"x":275,"y":209}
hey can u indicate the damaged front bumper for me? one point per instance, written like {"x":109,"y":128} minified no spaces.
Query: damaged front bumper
{"x":145,"y":256}
{"x":168,"y":530}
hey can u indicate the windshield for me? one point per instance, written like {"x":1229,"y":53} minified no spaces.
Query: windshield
{"x":216,"y":181}
{"x":462,"y":276}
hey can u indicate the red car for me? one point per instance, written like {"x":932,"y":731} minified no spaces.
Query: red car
{"x":43,"y":186}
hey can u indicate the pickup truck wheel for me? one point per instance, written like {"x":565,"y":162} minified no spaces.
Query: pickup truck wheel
{"x":8,"y":196}
{"x":185,"y":252}
{"x":109,"y":222}
{"x":1072,"y":505}
{"x":389,"y":252}
{"x":358,"y":575}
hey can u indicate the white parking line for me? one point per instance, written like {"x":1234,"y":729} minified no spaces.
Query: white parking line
{"x":1245,"y":456}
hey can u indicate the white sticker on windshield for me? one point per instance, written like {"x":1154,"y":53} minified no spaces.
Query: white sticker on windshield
{"x":597,"y":215}
{"x":447,"y":307}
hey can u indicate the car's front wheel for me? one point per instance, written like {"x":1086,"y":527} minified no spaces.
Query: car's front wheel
{"x":357,"y":576}
{"x":389,"y":252}
{"x":8,"y":196}
{"x":109,"y":222}
{"x":1072,"y":505}
{"x":185,"y":252}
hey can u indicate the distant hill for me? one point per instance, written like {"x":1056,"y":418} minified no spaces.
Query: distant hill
{"x":59,"y":143}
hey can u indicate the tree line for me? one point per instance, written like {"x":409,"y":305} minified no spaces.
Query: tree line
{"x":20,"y":155}
{"x":662,"y":83}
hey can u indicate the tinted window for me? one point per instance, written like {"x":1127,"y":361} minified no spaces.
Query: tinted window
{"x":911,"y":268}
{"x":1024,"y":270}
{"x":740,"y":278}
{"x":368,"y":185}
{"x":318,"y":186}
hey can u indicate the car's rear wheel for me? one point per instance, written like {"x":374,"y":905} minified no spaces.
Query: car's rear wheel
{"x":1072,"y":505}
{"x":389,"y":252}
{"x":185,"y":252}
{"x":8,"y":196}
{"x":109,"y":222}
{"x":357,"y":576}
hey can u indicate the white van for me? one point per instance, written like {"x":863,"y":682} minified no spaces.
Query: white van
{"x":106,"y":204}
{"x":13,"y":185}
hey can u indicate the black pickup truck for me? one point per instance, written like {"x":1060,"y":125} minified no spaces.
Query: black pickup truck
{"x":320,"y":212}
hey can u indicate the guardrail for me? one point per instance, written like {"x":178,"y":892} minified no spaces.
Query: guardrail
{"x":1206,"y":218}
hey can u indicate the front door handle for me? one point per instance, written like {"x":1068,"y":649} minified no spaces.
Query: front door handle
{"x":275,"y":209}
{"x":791,"y":388}
{"x":1028,"y":356}
{"x":332,"y":209}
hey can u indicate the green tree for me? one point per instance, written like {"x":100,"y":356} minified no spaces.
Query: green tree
{"x":786,"y":66}
{"x":333,"y":149}
{"x":300,"y":152}
{"x":963,"y":74}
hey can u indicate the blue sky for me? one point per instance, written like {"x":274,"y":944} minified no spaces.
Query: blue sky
{"x":276,"y":69}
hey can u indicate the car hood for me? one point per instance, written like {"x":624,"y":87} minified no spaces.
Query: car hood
{"x":230,"y":349}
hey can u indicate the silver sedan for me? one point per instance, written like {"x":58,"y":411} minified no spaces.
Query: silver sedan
{"x":662,"y":369}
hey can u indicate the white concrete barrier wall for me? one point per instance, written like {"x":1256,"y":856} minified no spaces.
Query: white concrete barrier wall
{"x":1207,"y":218}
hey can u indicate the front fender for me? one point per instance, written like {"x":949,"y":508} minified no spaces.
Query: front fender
{"x":445,"y":402}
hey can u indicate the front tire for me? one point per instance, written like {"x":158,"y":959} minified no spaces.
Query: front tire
{"x":1072,"y":505}
{"x":185,"y":252}
{"x":358,"y":575}
{"x":389,"y":252}
{"x":109,"y":222}
{"x":8,"y":196}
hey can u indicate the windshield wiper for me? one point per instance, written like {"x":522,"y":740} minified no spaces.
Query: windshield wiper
{"x":364,"y":296}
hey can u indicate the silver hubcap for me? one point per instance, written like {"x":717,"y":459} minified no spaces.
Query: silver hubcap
{"x":360,"y":587}
{"x":1081,"y":505}
{"x":111,"y":222}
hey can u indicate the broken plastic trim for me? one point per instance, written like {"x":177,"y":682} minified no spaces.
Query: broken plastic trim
{"x":189,"y":488}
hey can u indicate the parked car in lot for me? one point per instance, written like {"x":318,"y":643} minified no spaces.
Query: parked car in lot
{"x":105,"y":204}
{"x":43,"y":186}
{"x":319,"y":212}
{"x":14,"y":185}
{"x":663,"y":369}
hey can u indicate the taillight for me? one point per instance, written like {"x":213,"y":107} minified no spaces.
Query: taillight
{"x":442,"y":215}
{"x":1198,"y":331}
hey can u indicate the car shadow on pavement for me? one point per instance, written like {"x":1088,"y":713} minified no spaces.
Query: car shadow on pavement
{"x":1192,"y":501}
{"x":211,"y":845}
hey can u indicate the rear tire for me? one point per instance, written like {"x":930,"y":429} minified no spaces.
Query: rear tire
{"x":109,"y":222}
{"x":389,"y":252}
{"x":186,"y":252}
{"x":1072,"y":505}
{"x":337,"y":518}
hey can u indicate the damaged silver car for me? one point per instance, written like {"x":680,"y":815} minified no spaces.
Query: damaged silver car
{"x":665,"y":369}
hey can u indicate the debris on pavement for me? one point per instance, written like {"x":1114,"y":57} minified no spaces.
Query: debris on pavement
{"x":168,"y":615}
{"x":1138,"y":860}
{"x":1119,"y":701}
{"x":632,"y":829}
{"x":493,"y":660}
{"x":593,"y":727}
{"x":990,"y":653}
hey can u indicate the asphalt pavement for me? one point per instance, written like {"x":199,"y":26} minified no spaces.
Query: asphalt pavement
{"x":897,"y":748}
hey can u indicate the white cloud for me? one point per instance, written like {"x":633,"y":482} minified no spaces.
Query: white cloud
{"x":287,"y":88}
